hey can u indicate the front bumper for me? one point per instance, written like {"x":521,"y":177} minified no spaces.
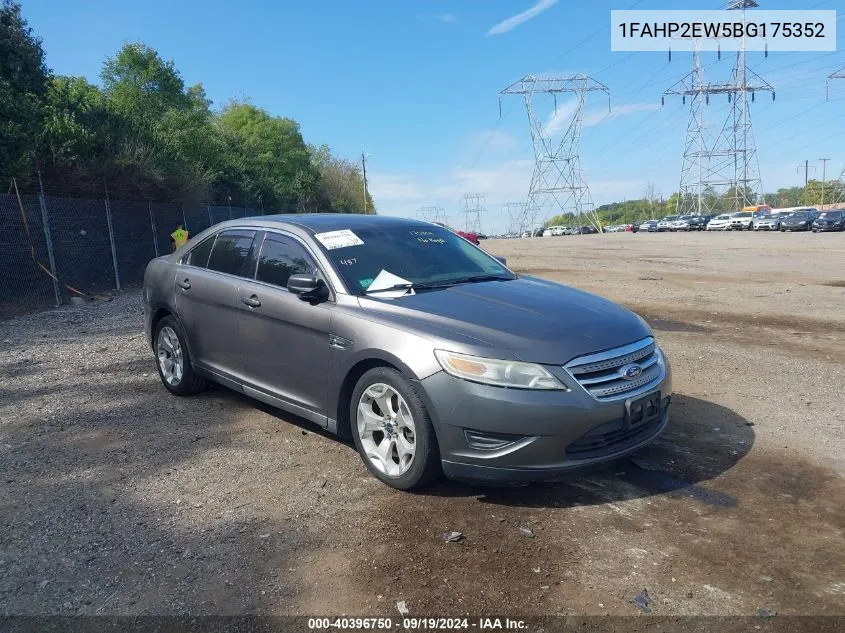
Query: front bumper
{"x":827,"y":227}
{"x":550,"y":433}
{"x":794,"y":227}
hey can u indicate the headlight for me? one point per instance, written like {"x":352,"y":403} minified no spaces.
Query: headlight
{"x":500,"y":373}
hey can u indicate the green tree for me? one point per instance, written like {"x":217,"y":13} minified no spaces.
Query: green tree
{"x":142,"y":86}
{"x":23,"y":84}
{"x":341,"y":186}
{"x":269,"y":155}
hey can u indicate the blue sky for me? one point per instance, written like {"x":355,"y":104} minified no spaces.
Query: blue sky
{"x":416,"y":83}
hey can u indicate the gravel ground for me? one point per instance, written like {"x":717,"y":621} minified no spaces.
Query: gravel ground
{"x":118,"y":498}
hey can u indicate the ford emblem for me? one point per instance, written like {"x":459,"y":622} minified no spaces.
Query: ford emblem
{"x":629,"y":372}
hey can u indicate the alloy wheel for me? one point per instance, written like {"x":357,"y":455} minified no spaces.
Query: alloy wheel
{"x":170,"y":356}
{"x":386,"y":429}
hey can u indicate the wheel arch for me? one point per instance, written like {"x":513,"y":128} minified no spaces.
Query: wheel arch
{"x":157,"y":315}
{"x":364,"y":362}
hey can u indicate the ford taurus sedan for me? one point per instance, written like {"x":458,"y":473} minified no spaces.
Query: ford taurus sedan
{"x":430,"y":354}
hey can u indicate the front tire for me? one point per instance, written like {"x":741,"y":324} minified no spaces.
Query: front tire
{"x":173,"y":359}
{"x":392,"y":430}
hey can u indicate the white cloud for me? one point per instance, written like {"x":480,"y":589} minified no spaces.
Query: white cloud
{"x":558,"y":121}
{"x":495,"y":140}
{"x":505,"y":182}
{"x":384,"y":186}
{"x":446,"y":18}
{"x":601,"y":116}
{"x":559,"y":118}
{"x":515,"y":20}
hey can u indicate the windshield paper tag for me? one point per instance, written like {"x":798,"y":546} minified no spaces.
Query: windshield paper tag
{"x":339,"y":239}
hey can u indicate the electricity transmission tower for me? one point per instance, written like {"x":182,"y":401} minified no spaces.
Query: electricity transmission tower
{"x":721,"y":168}
{"x":557,"y":184}
{"x":839,"y":74}
{"x":514,"y":211}
{"x":473,"y":208}
{"x":432,"y":214}
{"x":840,"y":193}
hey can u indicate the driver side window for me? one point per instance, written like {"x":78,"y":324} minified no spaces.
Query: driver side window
{"x":282,"y":257}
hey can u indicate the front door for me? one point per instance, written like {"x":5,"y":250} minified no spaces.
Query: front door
{"x":285,"y":339}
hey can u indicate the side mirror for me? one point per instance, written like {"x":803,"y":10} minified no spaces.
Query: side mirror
{"x":501,"y":259}
{"x":307,"y":286}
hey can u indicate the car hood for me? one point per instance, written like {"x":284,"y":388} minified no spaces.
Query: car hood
{"x":527,"y":318}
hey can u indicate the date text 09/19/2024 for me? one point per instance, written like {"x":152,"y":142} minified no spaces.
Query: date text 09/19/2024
{"x":421,"y":623}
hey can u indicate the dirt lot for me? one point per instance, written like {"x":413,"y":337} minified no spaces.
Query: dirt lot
{"x":116,"y":498}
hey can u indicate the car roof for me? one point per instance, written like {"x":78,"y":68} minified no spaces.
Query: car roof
{"x":321,"y":222}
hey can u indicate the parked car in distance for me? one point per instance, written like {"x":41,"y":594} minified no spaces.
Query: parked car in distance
{"x":799,"y":220}
{"x":719,"y":223}
{"x":649,"y":226}
{"x":430,"y":354}
{"x":698,"y":222}
{"x":767,"y":222}
{"x":682,"y":223}
{"x":666,"y":223}
{"x":470,"y":237}
{"x":833,"y":220}
{"x":741,"y":221}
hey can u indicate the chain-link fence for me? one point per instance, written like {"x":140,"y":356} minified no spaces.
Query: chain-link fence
{"x":51,"y":246}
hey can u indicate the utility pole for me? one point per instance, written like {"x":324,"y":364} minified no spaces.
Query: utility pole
{"x":364,"y":169}
{"x":839,"y":74}
{"x":558,"y":184}
{"x":807,"y":169}
{"x":824,"y":175}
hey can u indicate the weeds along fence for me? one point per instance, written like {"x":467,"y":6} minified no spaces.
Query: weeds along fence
{"x":52,"y":246}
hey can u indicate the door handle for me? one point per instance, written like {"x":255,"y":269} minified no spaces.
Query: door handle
{"x":252,"y":302}
{"x":185,"y":284}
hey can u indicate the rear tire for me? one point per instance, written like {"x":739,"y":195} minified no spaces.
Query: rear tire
{"x":392,"y":430}
{"x":173,"y":360}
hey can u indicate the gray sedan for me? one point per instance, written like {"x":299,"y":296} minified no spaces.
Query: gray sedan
{"x":431,"y":355}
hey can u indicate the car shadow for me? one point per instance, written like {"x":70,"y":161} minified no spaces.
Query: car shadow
{"x":701,"y":441}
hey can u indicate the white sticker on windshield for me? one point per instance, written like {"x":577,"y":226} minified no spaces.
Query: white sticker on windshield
{"x":339,"y":239}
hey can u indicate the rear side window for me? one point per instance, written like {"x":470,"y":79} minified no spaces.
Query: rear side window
{"x":280,"y":258}
{"x":230,"y":252}
{"x":199,"y":255}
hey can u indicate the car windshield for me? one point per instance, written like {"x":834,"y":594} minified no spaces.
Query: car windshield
{"x":831,"y":215}
{"x":798,"y":214}
{"x":742,"y":215}
{"x":723,"y":217}
{"x":669,"y":218}
{"x":422,"y":255}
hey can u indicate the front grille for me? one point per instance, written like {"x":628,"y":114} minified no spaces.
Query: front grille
{"x":613,"y":437}
{"x":601,"y":375}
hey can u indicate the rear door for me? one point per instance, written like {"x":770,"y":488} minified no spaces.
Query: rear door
{"x":207,"y":299}
{"x":285,"y":339}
